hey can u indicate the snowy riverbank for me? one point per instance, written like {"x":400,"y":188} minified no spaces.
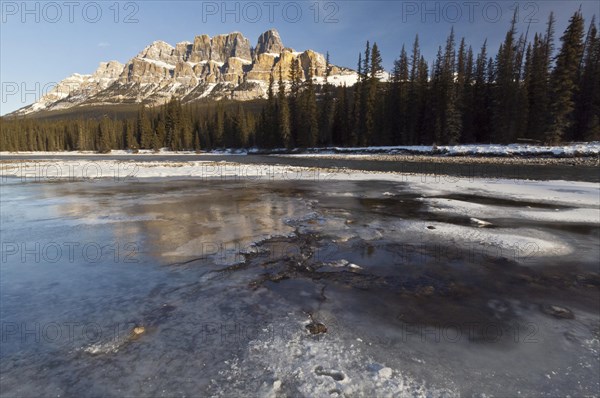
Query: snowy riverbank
{"x":584,"y":149}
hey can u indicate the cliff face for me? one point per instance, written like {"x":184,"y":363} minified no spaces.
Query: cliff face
{"x":224,"y":66}
{"x":269,"y":42}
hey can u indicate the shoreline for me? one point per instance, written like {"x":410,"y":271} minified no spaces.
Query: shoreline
{"x":573,"y":150}
{"x":249,"y":166}
{"x":569,"y":158}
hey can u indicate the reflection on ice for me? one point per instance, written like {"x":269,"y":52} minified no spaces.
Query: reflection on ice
{"x":418,"y":299}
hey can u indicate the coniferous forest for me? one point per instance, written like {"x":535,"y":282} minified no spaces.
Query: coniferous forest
{"x":535,"y":88}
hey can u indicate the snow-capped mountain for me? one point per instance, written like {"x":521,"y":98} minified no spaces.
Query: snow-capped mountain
{"x":224,"y":66}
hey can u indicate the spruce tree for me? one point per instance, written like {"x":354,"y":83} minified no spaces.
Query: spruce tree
{"x":219,"y":126}
{"x":451,"y":116}
{"x":271,"y":135}
{"x":423,"y":131}
{"x":186,"y":131}
{"x":372,"y":88}
{"x":284,"y":127}
{"x":468,"y":131}
{"x":366,"y":66}
{"x":564,"y":80}
{"x":537,"y":83}
{"x":130,"y":137}
{"x":357,"y":106}
{"x":506,"y":91}
{"x":294,"y":101}
{"x":414,"y":95}
{"x":587,"y":107}
{"x":144,"y":129}
{"x":159,"y":137}
{"x":102,"y":138}
{"x":327,"y":108}
{"x":341,"y":120}
{"x":397,"y":102}
{"x":311,"y":121}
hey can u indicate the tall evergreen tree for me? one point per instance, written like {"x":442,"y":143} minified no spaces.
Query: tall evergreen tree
{"x":327,"y":107}
{"x":587,"y":108}
{"x":468,"y":133}
{"x":451,"y":118}
{"x":537,"y":83}
{"x":564,"y":80}
{"x":366,"y":66}
{"x":294,"y":101}
{"x":310,"y":111}
{"x":414,"y":94}
{"x":270,"y":133}
{"x":161,"y":131}
{"x":130,"y":136}
{"x":357,"y":106}
{"x":144,"y":128}
{"x":285,"y":130}
{"x":102,"y":138}
{"x":397,"y":102}
{"x":341,"y":121}
{"x":185,"y":129}
{"x":372,"y":89}
{"x":506,"y":88}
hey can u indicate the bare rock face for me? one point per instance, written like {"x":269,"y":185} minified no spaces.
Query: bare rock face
{"x":65,"y":88}
{"x":233,"y":70}
{"x":184,"y":69}
{"x":262,"y":67}
{"x":314,"y":61}
{"x":220,"y":48}
{"x":201,"y":49}
{"x":141,"y":70}
{"x":184,"y":74}
{"x":285,"y":60}
{"x":209,"y":71}
{"x":183,"y":50}
{"x":231,"y":45}
{"x":108,"y":70}
{"x":160,"y":51}
{"x":247,"y":91}
{"x":335,"y":70}
{"x":152,"y":65}
{"x":269,"y":42}
{"x":223,"y":66}
{"x":77,"y":85}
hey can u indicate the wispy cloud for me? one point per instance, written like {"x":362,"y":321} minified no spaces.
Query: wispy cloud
{"x":103,"y":44}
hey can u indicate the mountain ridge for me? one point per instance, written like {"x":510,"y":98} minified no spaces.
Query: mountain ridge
{"x":224,"y":66}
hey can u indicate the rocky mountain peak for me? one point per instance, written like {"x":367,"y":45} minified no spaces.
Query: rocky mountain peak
{"x":219,"y":48}
{"x":108,"y":70}
{"x":224,"y":66}
{"x":159,"y":51}
{"x":269,"y":42}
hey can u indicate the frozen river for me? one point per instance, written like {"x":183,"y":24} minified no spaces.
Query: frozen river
{"x":189,"y":287}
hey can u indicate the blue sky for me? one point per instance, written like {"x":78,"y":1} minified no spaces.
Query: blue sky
{"x":44,"y":42}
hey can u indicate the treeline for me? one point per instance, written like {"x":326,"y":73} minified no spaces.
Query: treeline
{"x":529,"y":90}
{"x":173,"y":125}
